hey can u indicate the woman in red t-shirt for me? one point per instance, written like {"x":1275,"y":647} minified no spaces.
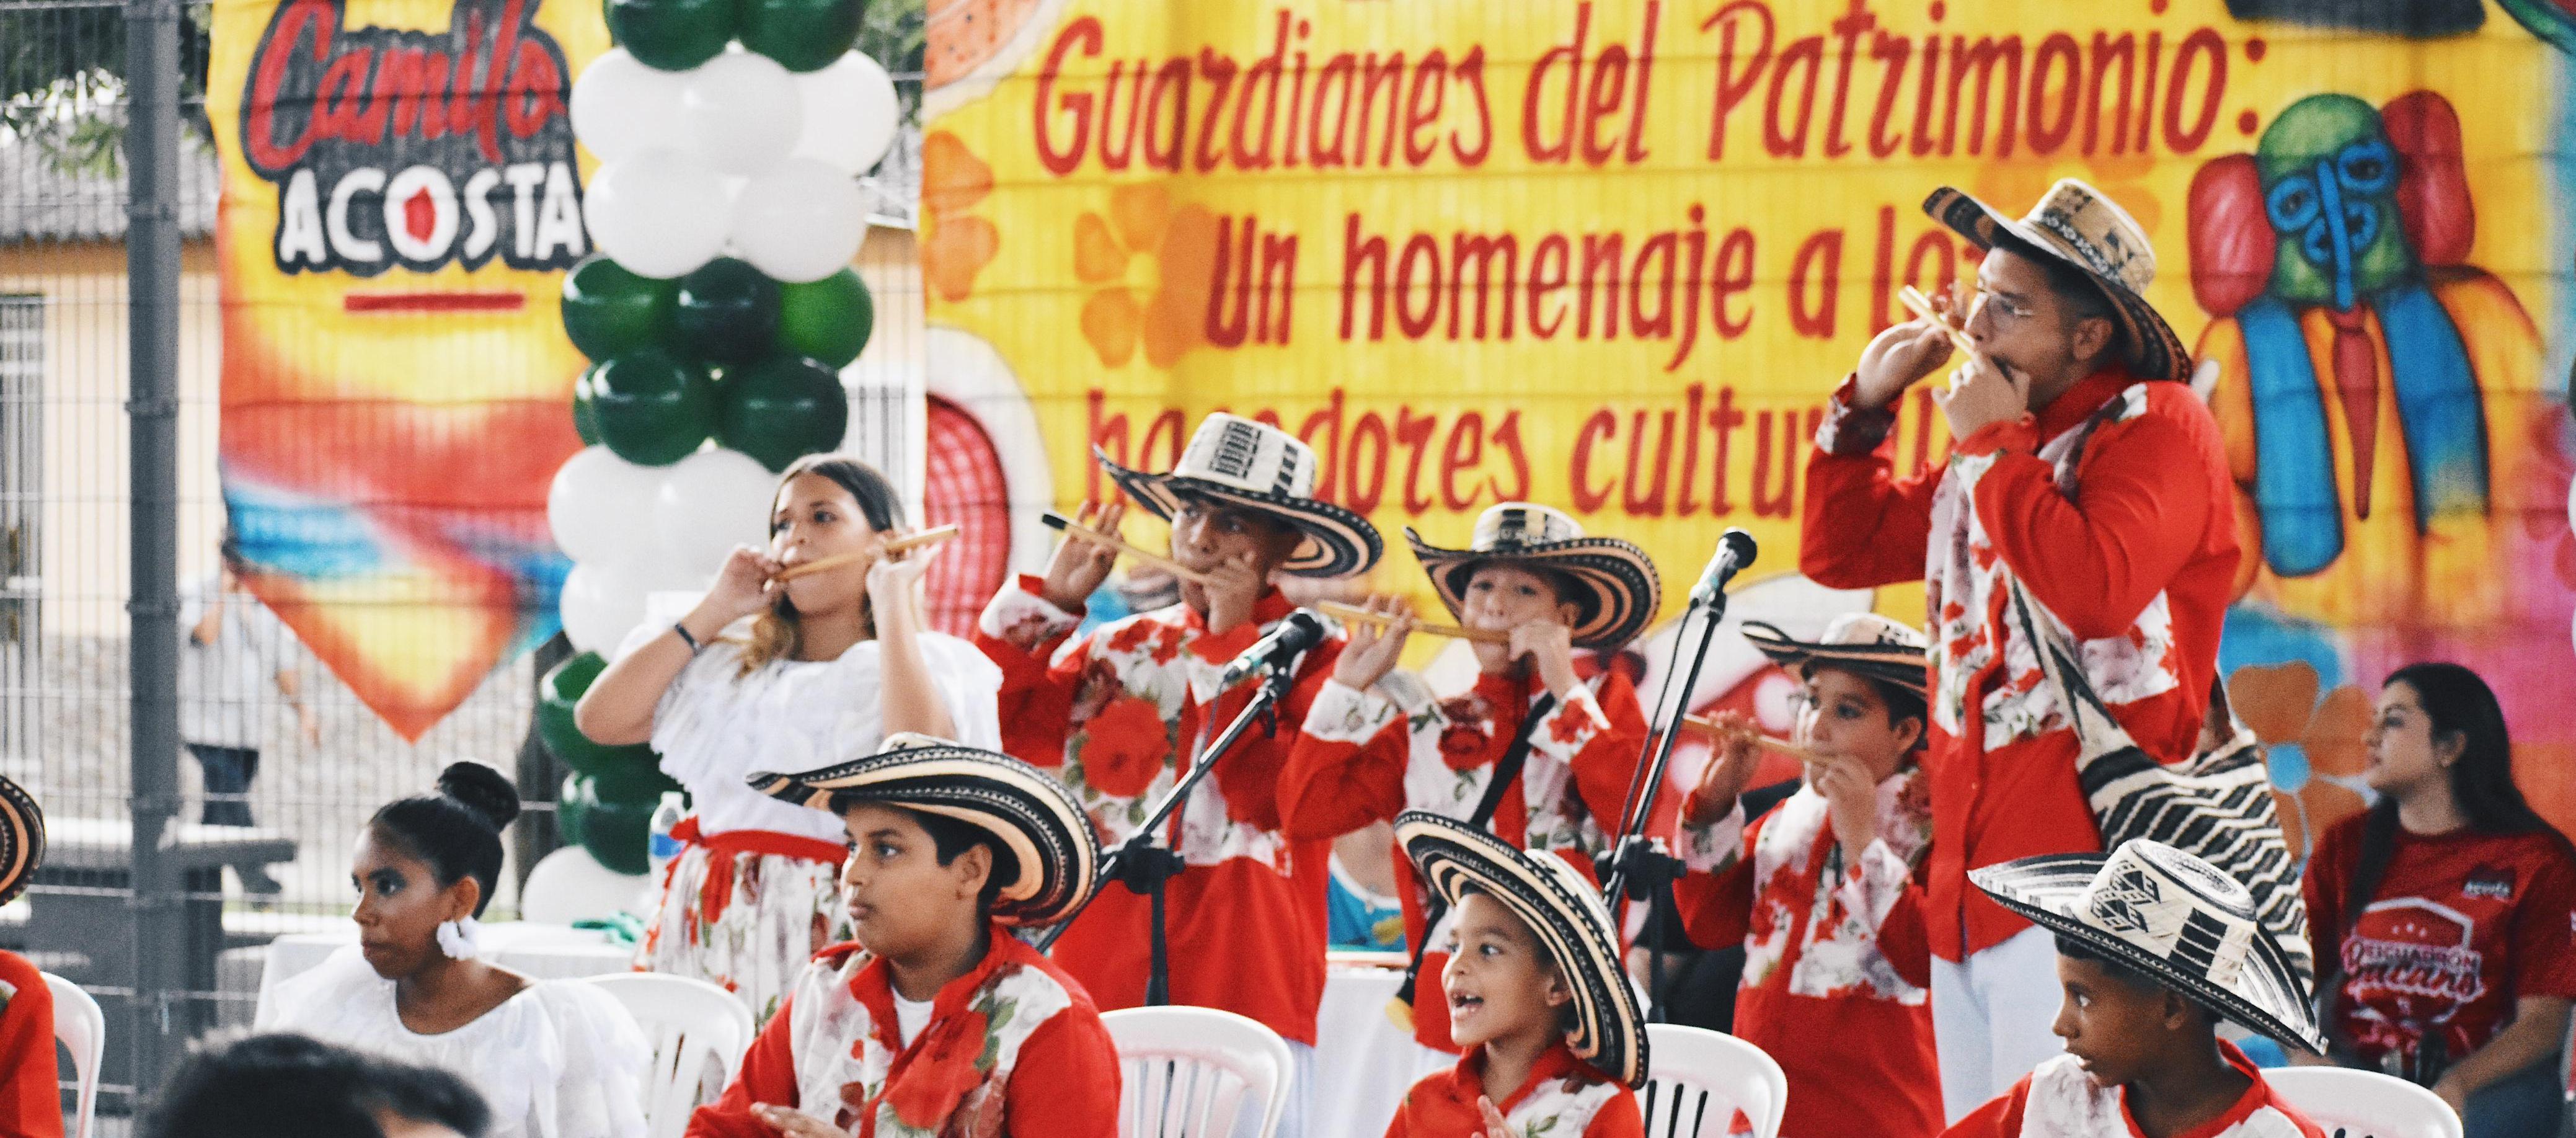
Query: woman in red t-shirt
{"x":2442,"y":915}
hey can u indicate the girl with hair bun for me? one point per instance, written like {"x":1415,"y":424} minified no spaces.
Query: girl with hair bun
{"x":554,"y":1058}
{"x":832,"y":661}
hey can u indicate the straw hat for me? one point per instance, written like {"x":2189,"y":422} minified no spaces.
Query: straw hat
{"x":1030,"y":814}
{"x":2172,"y":916}
{"x":1862,"y":642}
{"x":2076,"y":224}
{"x":1235,"y":461}
{"x":1617,"y":591}
{"x":1565,"y":911}
{"x":22,"y":840}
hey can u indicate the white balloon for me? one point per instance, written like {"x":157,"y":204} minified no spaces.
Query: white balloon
{"x":739,"y":112}
{"x":659,"y":213}
{"x":601,"y":604}
{"x":593,"y":504}
{"x":709,"y":503}
{"x":851,"y":114}
{"x":801,"y":221}
{"x":621,"y":107}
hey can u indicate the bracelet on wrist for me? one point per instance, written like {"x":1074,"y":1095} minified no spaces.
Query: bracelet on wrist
{"x":681,"y":628}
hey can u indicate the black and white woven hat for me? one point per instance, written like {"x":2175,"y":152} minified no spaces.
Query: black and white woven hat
{"x":1562,"y":908}
{"x":2078,"y":225}
{"x":1234,"y":461}
{"x":1863,"y":642}
{"x":1617,"y":589}
{"x":22,"y":840}
{"x":1032,"y":815}
{"x":2172,"y":916}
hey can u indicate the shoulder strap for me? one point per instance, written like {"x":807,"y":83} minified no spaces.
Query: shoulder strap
{"x":2096,"y":732}
{"x":1507,"y":770}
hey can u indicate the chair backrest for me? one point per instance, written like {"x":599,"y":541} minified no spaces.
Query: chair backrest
{"x":1696,"y":1079}
{"x":694,"y":1026}
{"x":82,"y":1029}
{"x":2363,"y":1104}
{"x":1188,"y":1072}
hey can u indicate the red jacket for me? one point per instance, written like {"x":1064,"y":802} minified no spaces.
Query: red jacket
{"x":1013,"y":1047}
{"x":2136,"y":559}
{"x":1562,"y":1098}
{"x":1835,"y":968}
{"x":2060,"y":1101}
{"x":1117,"y":715}
{"x":30,"y":1104}
{"x":1365,"y":757}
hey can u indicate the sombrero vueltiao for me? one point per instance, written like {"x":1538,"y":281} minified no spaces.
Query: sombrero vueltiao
{"x":22,"y":840}
{"x":2076,"y":224}
{"x":1861,"y":642}
{"x":1029,"y":813}
{"x":2172,"y":916}
{"x":1234,"y":461}
{"x":1618,"y":589}
{"x":1562,"y":908}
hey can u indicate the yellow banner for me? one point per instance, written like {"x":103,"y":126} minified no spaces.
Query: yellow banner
{"x":1613,"y":257}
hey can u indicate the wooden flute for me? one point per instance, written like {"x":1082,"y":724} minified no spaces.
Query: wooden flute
{"x":1079,"y":532}
{"x":1712,"y":727}
{"x":1354,"y":612}
{"x":931,"y":536}
{"x":1922,"y":307}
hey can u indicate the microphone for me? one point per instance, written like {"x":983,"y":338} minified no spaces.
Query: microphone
{"x":1735,"y":550}
{"x":1295,"y":634}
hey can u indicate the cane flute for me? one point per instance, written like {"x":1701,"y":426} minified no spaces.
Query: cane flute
{"x":1076,"y":531}
{"x":1712,"y":727}
{"x":932,"y":536}
{"x":1454,"y":632}
{"x":1922,"y":306}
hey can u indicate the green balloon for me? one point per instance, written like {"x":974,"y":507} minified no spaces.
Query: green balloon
{"x":609,"y":311}
{"x":616,"y":832}
{"x":585,"y":416}
{"x":726,"y":313}
{"x":782,"y":409}
{"x":671,"y":35}
{"x":572,"y":803}
{"x":828,"y":320}
{"x":802,"y":35}
{"x":653,"y":408}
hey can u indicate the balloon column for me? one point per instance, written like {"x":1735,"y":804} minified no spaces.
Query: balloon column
{"x":719,"y":309}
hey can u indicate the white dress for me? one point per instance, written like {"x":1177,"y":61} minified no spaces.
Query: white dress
{"x":562,"y":1059}
{"x":756,"y":893}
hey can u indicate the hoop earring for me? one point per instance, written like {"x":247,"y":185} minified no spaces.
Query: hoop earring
{"x":460,"y":939}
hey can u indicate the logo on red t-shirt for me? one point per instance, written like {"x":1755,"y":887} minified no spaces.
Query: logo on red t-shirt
{"x":2489,"y":882}
{"x":2413,"y":947}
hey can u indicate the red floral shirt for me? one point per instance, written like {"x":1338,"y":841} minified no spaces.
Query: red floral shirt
{"x":1012,"y":1048}
{"x":1563,"y":1097}
{"x":1116,"y":716}
{"x":1370,"y":755}
{"x":2135,"y":559}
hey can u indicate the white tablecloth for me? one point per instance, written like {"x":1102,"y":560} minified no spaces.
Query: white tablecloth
{"x":1363,"y":1064}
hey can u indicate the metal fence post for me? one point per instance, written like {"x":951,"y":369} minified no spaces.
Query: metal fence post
{"x":152,"y":413}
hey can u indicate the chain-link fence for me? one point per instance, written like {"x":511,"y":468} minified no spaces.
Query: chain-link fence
{"x":283,"y":811}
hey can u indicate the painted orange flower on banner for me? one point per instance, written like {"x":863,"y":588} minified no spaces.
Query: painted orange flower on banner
{"x":954,"y":245}
{"x":1181,"y":243}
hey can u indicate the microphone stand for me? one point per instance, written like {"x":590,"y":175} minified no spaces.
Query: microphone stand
{"x":1637,"y":866}
{"x":1144,"y":867}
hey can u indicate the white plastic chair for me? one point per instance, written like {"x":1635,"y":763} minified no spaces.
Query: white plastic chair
{"x":693,"y":1025}
{"x":82,"y":1029}
{"x":1696,"y":1079}
{"x":2363,"y":1104}
{"x":1186,"y":1072}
